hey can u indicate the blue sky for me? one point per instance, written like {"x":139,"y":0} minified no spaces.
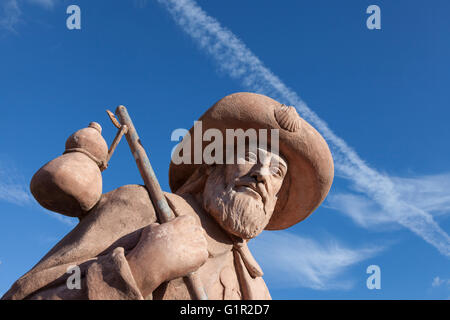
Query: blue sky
{"x":380,"y":97}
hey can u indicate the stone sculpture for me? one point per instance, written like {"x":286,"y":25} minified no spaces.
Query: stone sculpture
{"x":122,"y":251}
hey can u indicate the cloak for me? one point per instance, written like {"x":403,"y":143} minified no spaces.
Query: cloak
{"x":99,"y":243}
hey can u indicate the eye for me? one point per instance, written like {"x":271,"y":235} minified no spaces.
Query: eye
{"x":276,"y":171}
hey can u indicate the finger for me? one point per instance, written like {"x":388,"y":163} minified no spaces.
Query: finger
{"x":148,"y":229}
{"x":154,"y":224}
{"x":194,"y":230}
{"x":187,"y":219}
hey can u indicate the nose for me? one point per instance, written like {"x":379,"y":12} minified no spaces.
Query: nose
{"x":260,"y":173}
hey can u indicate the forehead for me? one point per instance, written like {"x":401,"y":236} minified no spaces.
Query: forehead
{"x":272,"y":156}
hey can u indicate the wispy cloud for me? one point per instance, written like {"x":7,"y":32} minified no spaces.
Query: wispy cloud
{"x":12,"y":187}
{"x":48,"y":4}
{"x":437,"y":282}
{"x":9,"y":15}
{"x":71,"y":222}
{"x":428,"y":193}
{"x":441,"y":285}
{"x":140,"y":3}
{"x":296,"y":261}
{"x":362,"y":210}
{"x":11,"y":12}
{"x":235,"y":59}
{"x":16,"y":194}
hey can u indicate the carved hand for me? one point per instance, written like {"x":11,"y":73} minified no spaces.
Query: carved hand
{"x":167,"y":251}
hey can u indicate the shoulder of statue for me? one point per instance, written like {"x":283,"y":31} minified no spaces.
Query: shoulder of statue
{"x":129,"y":206}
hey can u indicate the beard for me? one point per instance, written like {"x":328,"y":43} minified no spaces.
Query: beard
{"x":237,"y":212}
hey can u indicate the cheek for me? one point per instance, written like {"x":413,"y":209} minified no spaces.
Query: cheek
{"x":278,"y":185}
{"x":275,"y":186}
{"x":234,"y":171}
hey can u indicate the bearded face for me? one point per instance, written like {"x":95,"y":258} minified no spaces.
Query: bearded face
{"x":242,"y":197}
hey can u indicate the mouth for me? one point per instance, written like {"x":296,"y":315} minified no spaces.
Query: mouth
{"x":250,"y":190}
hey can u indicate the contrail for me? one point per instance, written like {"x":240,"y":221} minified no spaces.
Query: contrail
{"x":235,"y":59}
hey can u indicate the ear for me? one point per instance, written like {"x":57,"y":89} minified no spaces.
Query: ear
{"x":197,"y":180}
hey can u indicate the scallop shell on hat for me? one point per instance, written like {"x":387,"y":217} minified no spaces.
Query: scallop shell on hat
{"x":288,"y":118}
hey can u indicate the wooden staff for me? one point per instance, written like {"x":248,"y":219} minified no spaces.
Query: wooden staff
{"x":162,"y":208}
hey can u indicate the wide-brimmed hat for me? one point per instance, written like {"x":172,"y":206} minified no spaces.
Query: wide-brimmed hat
{"x":310,"y":164}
